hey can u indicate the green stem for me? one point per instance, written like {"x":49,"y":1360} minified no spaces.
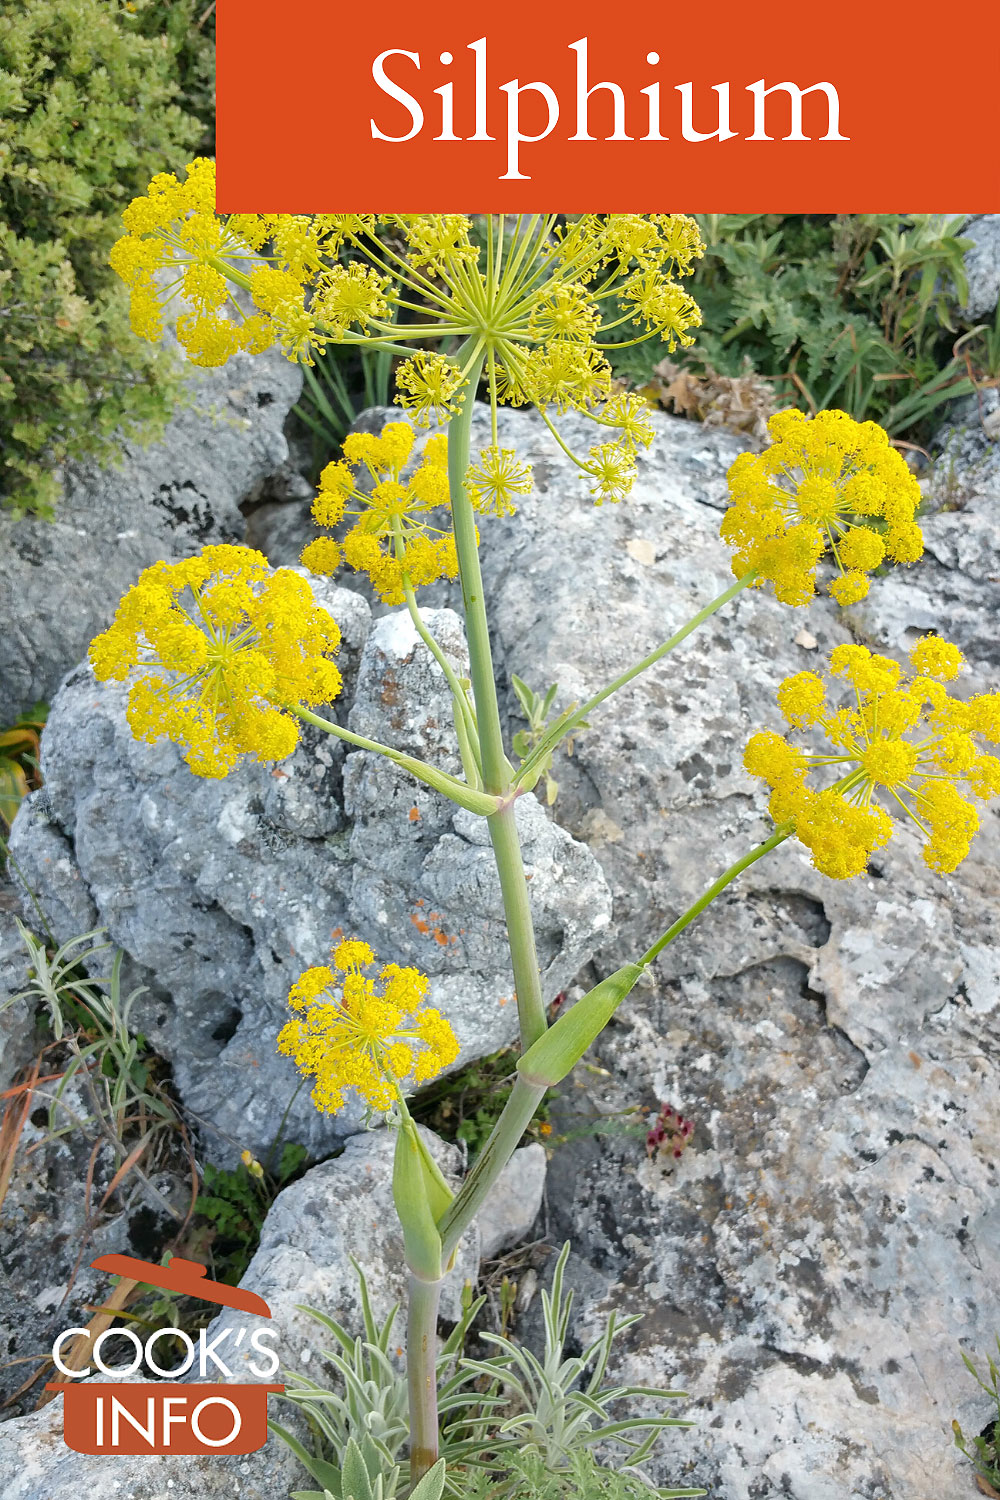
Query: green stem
{"x":526,"y":1094}
{"x":462,"y":704}
{"x":778,"y":837}
{"x":503,"y":1141}
{"x":421,"y":1374}
{"x":495,"y":766}
{"x":566,"y":725}
{"x":520,"y":928}
{"x":496,"y":771}
{"x":441,"y":781}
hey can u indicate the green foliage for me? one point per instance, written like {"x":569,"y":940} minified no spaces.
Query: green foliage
{"x":130,"y":1110}
{"x":466,"y":1105}
{"x":981,"y":351}
{"x":19,"y":769}
{"x":364,"y":1421}
{"x":88,"y":112}
{"x":859,"y":311}
{"x":558,"y":1405}
{"x":513,"y":1427}
{"x":527,"y":1477}
{"x":536,"y":710}
{"x":232,"y":1207}
{"x":94,"y":1007}
{"x":337,"y":388}
{"x":187,"y":28}
{"x":984,"y":1451}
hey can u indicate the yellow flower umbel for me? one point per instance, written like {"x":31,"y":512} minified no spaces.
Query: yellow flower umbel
{"x":393,"y":539}
{"x":223,"y":648}
{"x":903,"y":737}
{"x":826,"y":483}
{"x":540,"y":301}
{"x":372,"y":1035}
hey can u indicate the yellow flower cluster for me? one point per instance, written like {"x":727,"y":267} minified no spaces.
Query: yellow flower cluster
{"x":393,"y":538}
{"x":303,"y":299}
{"x":543,"y":300}
{"x":223,"y":648}
{"x":902,"y":736}
{"x":826,"y":482}
{"x":372,"y":1035}
{"x":493,"y":482}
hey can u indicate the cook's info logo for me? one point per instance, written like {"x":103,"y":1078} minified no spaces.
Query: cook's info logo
{"x":170,"y":1415}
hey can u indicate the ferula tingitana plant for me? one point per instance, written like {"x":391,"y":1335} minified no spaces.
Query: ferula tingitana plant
{"x":524,"y":310}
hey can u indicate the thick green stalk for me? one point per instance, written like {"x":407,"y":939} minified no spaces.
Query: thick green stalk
{"x":421,"y":1374}
{"x":496,"y":771}
{"x":495,"y":766}
{"x":520,"y":928}
{"x":528,"y":1092}
{"x":517,"y":1114}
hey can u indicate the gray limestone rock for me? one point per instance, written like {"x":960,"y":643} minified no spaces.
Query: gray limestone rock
{"x":509,"y":1213}
{"x":810,"y":1267}
{"x":17,"y":1025}
{"x":61,"y":580}
{"x":339,"y":1211}
{"x":35,"y":1464}
{"x":221,"y":892}
{"x":982,"y":266}
{"x":808,"y":1270}
{"x":956,"y":585}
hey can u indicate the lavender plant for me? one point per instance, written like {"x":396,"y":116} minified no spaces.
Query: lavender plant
{"x":227,"y":658}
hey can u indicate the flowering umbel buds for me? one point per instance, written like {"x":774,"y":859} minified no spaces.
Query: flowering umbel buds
{"x":219,"y":648}
{"x":902,"y":740}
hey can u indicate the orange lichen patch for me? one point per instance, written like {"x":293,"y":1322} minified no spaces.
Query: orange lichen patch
{"x":430,"y":926}
{"x":414,"y":814}
{"x":915,"y":1060}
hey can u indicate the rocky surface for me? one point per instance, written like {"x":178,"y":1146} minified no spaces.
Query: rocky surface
{"x":811,"y":1265}
{"x":59,"y":1212}
{"x":809,"y":1269}
{"x":35,"y":1464}
{"x":340,"y":1211}
{"x":956,"y":586}
{"x":508,"y":1215}
{"x":982,"y":266}
{"x":17,"y":1041}
{"x":221,"y":892}
{"x":61,"y":580}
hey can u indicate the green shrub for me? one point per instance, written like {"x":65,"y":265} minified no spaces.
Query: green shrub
{"x":857,"y":311}
{"x":89,"y":110}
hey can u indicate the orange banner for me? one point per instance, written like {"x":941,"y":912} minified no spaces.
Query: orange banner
{"x":521,"y":107}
